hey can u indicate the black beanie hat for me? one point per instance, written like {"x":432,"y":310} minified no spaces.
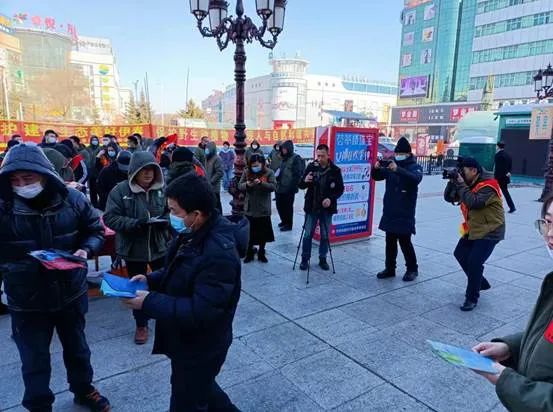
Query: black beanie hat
{"x":182,"y":154}
{"x":403,"y":146}
{"x":123,"y":160}
{"x":64,"y":150}
{"x":471,"y":162}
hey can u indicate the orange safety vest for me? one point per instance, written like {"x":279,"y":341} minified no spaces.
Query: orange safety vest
{"x":465,"y":210}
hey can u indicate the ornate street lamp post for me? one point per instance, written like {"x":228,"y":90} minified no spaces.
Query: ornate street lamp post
{"x":543,"y":82}
{"x":240,"y":30}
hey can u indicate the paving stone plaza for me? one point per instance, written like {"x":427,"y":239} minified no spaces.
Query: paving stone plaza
{"x":345,"y":342}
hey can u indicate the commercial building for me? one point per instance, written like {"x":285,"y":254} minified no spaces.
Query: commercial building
{"x":11,"y":75}
{"x":290,"y":97}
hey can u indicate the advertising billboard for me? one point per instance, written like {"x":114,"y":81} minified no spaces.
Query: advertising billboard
{"x":285,"y":100}
{"x":541,"y":124}
{"x":416,"y":86}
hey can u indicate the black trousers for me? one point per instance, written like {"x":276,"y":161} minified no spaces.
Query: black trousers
{"x":407,"y":248}
{"x":285,"y":208}
{"x":140,"y":268}
{"x":194,"y":389}
{"x":504,"y":185}
{"x":32,"y":332}
{"x":471,"y":255}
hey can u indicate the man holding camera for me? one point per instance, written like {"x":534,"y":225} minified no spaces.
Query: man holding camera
{"x":479,"y":196}
{"x":403,"y":176}
{"x":324,"y":184}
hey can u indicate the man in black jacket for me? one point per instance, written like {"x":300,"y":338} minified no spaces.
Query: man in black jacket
{"x":38,"y":211}
{"x":288,"y":177}
{"x":402,"y":176}
{"x":502,"y":173}
{"x":111,"y":175}
{"x":194,"y":298}
{"x":324,"y":184}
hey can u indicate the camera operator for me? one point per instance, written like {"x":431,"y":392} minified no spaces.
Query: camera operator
{"x":402,"y":176}
{"x":479,"y":196}
{"x":324,"y":184}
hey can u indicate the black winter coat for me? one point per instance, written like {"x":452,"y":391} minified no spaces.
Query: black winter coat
{"x":194,"y":298}
{"x":68,"y":222}
{"x":503,"y":166}
{"x":330,"y":186}
{"x":400,"y":198}
{"x":108,"y":178}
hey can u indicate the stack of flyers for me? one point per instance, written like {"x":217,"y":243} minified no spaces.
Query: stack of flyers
{"x":53,"y":259}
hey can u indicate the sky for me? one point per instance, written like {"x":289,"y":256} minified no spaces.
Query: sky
{"x":341,"y":37}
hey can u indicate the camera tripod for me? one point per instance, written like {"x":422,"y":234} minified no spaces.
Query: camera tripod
{"x":324,"y":227}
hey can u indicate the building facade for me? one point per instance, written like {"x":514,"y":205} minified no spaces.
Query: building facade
{"x":290,"y":97}
{"x":11,"y":74}
{"x":512,"y":40}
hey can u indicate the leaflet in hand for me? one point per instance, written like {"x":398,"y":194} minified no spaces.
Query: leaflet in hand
{"x":53,"y":259}
{"x":463,"y":357}
{"x":116,"y":286}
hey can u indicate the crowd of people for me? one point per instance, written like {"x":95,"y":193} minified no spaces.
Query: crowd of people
{"x":164,"y":204}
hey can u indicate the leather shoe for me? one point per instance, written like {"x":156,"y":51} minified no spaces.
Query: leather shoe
{"x":141,"y":335}
{"x":385,"y":274}
{"x":513,"y":210}
{"x":410,"y":275}
{"x":304,"y":264}
{"x":468,"y":306}
{"x":323,"y":264}
{"x":485,"y":285}
{"x":286,"y":228}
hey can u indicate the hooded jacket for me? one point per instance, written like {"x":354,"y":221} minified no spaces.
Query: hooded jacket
{"x":194,"y":298}
{"x":214,"y":168}
{"x":400,"y":198}
{"x":92,"y":153}
{"x":130,"y":207}
{"x":527,"y":383}
{"x":250,"y":150}
{"x":66,"y":222}
{"x":199,"y":154}
{"x":108,"y":178}
{"x":178,"y":169}
{"x":275,"y":159}
{"x":291,"y":170}
{"x":60,"y":163}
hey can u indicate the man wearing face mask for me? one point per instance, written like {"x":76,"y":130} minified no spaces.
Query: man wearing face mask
{"x":50,"y":139}
{"x":254,"y":148}
{"x":199,"y":153}
{"x":93,"y":149}
{"x":194,"y":298}
{"x":106,"y":156}
{"x":479,"y":196}
{"x":38,"y":211}
{"x":403,"y":176}
{"x":135,"y":210}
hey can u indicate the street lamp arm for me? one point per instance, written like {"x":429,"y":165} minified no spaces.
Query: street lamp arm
{"x":253,"y":32}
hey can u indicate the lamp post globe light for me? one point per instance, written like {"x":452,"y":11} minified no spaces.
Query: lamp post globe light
{"x":239,"y":30}
{"x":543,"y":82}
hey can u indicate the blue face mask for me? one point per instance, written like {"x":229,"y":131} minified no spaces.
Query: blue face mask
{"x":207,"y":152}
{"x":256,"y":169}
{"x":400,"y":158}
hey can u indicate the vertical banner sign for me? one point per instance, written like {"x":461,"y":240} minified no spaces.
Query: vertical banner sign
{"x":355,"y":151}
{"x":542,"y":123}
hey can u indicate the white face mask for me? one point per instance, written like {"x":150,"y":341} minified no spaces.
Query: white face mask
{"x":29,"y":191}
{"x":51,"y":139}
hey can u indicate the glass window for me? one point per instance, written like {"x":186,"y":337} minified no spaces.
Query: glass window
{"x":514,"y":24}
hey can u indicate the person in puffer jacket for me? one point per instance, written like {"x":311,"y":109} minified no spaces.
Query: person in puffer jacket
{"x":38,"y":211}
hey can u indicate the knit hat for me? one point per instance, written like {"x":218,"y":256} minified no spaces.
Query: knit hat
{"x":403,"y":146}
{"x":183,"y":154}
{"x":470,"y":162}
{"x":64,"y":150}
{"x":123,"y":160}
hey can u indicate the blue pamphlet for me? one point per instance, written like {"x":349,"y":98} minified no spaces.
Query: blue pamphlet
{"x":119,"y":287}
{"x":463,"y":357}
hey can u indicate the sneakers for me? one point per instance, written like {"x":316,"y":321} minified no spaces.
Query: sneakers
{"x":94,"y":401}
{"x":468,"y":306}
{"x":262,"y":257}
{"x":141,"y":335}
{"x":323,"y":264}
{"x":385,"y":274}
{"x":304,"y":265}
{"x":410,"y":275}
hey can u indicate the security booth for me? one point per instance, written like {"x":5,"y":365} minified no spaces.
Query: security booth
{"x":355,"y":151}
{"x":526,"y":131}
{"x":477,"y":137}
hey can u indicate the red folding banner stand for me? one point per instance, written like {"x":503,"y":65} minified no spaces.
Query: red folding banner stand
{"x":354,"y":151}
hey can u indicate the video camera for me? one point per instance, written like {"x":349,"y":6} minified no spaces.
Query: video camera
{"x":316,"y":166}
{"x":384,"y":163}
{"x":453,"y":172}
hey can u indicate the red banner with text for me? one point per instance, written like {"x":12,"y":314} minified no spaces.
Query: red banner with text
{"x":187,"y":136}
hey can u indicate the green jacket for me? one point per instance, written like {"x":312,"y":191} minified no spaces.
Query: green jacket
{"x":527,"y":383}
{"x":199,"y":154}
{"x":214,"y":168}
{"x":258,"y":198}
{"x":486,"y":217}
{"x":128,"y":209}
{"x":290,"y":172}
